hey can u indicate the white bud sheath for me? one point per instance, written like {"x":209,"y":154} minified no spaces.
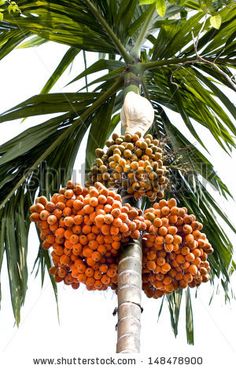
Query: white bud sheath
{"x":137,"y":113}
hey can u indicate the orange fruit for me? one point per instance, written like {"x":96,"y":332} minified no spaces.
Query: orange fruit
{"x":105,"y":280}
{"x":169,"y":247}
{"x":69,"y":221}
{"x":151,"y":265}
{"x":190,"y":257}
{"x":162,"y":231}
{"x":44,"y":214}
{"x":96,"y":256}
{"x":187,"y":229}
{"x":193,"y":269}
{"x":34,"y":217}
{"x":172,"y":203}
{"x":166,"y":267}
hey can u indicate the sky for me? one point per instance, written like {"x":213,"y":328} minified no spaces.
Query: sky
{"x":87,"y":326}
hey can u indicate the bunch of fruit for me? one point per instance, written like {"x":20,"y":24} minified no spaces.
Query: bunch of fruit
{"x":132,"y":164}
{"x":175,"y":250}
{"x":85,"y":228}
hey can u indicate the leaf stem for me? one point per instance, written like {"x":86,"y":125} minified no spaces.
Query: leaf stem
{"x":115,"y":40}
{"x":195,"y":60}
{"x":85,"y":67}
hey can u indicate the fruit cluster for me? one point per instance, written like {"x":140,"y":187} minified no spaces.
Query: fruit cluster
{"x":133,"y":164}
{"x":175,"y":250}
{"x":85,"y":228}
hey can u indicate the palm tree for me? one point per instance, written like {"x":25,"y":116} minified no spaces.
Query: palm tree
{"x":181,"y":54}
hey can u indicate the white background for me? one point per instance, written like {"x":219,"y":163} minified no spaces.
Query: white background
{"x":87,"y":327}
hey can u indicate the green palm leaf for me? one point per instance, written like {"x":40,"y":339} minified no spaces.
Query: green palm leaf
{"x":189,"y":318}
{"x":186,"y":179}
{"x":2,"y":246}
{"x":10,"y":38}
{"x":35,"y":161}
{"x":188,"y":188}
{"x":15,"y":227}
{"x":49,"y":104}
{"x":174,"y":303}
{"x":62,"y":66}
{"x":32,"y":42}
{"x":97,"y":137}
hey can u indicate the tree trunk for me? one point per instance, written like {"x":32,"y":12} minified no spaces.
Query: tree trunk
{"x":129,"y":289}
{"x":129,"y":298}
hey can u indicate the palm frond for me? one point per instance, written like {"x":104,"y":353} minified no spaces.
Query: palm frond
{"x":14,"y":232}
{"x":174,"y":303}
{"x":34,"y":163}
{"x":32,"y":41}
{"x":195,"y":96}
{"x":190,"y":190}
{"x":98,"y":66}
{"x":10,"y":37}
{"x":2,"y":247}
{"x":188,"y":64}
{"x":45,"y":18}
{"x":65,"y":62}
{"x":190,"y":175}
{"x":97,"y":137}
{"x":189,"y":318}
